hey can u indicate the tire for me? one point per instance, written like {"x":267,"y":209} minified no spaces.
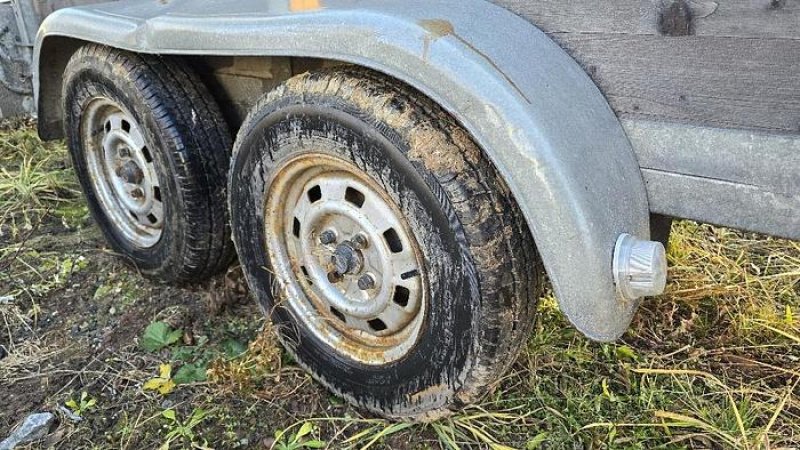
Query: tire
{"x":151,"y":151}
{"x":478,"y":269}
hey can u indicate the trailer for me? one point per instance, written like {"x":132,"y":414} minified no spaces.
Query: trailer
{"x":397,"y":178}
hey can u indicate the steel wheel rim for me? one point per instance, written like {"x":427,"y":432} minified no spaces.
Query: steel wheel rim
{"x":348,"y":265}
{"x":122,"y":172}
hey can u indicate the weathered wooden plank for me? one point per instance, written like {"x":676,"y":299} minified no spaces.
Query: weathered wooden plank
{"x":732,"y":18}
{"x":752,"y":18}
{"x":579,"y":16}
{"x":735,"y":64}
{"x":724,"y":82}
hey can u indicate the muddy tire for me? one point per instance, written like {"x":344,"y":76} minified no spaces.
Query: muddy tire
{"x":151,"y":151}
{"x":336,"y":170}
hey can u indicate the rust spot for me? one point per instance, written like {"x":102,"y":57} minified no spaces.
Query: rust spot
{"x":675,"y":18}
{"x":438,"y":29}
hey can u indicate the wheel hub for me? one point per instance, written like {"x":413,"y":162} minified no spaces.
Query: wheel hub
{"x":130,"y":172}
{"x":351,"y":269}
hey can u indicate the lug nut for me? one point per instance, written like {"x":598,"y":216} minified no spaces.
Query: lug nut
{"x":360,"y":241}
{"x":366,"y":282}
{"x":137,"y":193}
{"x":334,"y":277}
{"x":124,"y":152}
{"x":327,"y":237}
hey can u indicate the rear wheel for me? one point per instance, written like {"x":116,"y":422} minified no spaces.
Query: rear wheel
{"x":151,"y":151}
{"x":381,"y":242}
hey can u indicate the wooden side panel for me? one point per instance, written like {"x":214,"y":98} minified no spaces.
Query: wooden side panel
{"x":730,"y":18}
{"x":713,"y":81}
{"x":579,"y":16}
{"x":734,"y":64}
{"x":752,"y":18}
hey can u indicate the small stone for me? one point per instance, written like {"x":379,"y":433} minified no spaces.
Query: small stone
{"x":6,"y":300}
{"x":69,"y":414}
{"x":112,"y":311}
{"x":33,"y":428}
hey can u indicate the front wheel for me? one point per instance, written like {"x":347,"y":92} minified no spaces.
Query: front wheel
{"x":381,"y":242}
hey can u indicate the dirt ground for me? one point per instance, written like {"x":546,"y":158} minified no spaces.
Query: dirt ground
{"x":77,"y":330}
{"x":712,"y":364}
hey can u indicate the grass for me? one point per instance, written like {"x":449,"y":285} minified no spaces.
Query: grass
{"x":34,"y":178}
{"x":714,"y":363}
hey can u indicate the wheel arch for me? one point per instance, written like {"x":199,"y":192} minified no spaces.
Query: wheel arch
{"x":526,"y":102}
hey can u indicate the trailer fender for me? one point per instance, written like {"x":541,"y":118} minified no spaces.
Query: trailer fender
{"x":534,"y":111}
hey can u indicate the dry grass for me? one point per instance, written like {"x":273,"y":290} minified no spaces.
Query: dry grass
{"x":34,"y":178}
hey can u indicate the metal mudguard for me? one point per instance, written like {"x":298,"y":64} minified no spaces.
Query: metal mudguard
{"x":534,"y":111}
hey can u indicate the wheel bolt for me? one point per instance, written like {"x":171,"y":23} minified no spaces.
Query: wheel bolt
{"x":327,"y":237}
{"x":360,"y":241}
{"x":366,"y":281}
{"x":124,"y":152}
{"x":334,"y":277}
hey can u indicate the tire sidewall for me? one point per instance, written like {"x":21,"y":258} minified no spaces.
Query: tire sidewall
{"x":430,"y":374}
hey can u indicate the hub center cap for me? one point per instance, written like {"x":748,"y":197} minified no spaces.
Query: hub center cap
{"x":347,"y":259}
{"x":131,"y":173}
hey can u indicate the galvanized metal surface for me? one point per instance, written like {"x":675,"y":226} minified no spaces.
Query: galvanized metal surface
{"x":742,"y":179}
{"x":538,"y":116}
{"x":19,"y":23}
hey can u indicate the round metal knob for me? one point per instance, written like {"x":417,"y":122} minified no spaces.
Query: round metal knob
{"x":640,"y":267}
